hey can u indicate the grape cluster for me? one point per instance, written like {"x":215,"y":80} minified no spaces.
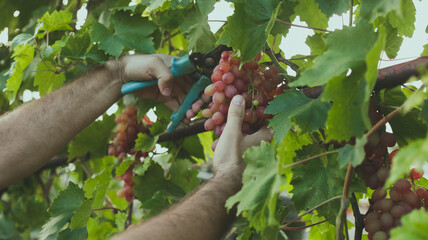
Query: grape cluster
{"x":123,"y":145}
{"x":386,"y":212}
{"x":256,"y":84}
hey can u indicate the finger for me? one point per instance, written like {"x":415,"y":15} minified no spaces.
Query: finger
{"x":235,"y":115}
{"x":263,"y":134}
{"x":161,"y":71}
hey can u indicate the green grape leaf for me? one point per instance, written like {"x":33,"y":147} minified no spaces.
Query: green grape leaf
{"x":414,"y":226}
{"x":77,"y":46}
{"x":346,"y":49}
{"x":93,"y":140}
{"x":393,"y":42}
{"x":321,"y":231}
{"x":124,"y":165}
{"x":352,"y":154}
{"x":330,"y":7}
{"x":96,"y":187}
{"x":129,"y":31}
{"x":133,"y":31}
{"x":309,"y":12}
{"x":205,"y":6}
{"x":261,"y":173}
{"x":348,"y":115}
{"x":310,"y":114}
{"x":286,"y":14}
{"x":78,"y":234}
{"x":248,"y":28}
{"x":62,"y":209}
{"x":196,"y":30}
{"x":406,"y":128}
{"x":120,"y":220}
{"x":81,"y":215}
{"x":404,"y":22}
{"x":425,"y":51}
{"x":154,"y":191}
{"x":140,"y":169}
{"x":319,"y":180}
{"x":56,"y":21}
{"x":316,"y":43}
{"x":108,"y":42}
{"x":183,"y":176}
{"x":412,"y":155}
{"x":46,"y":78}
{"x":194,"y":147}
{"x":23,"y":56}
{"x":371,"y":10}
{"x":145,"y":143}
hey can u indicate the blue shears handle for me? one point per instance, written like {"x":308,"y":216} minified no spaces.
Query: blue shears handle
{"x":180,"y":67}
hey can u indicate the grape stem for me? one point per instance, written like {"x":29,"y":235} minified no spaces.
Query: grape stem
{"x":310,"y":210}
{"x":107,"y":208}
{"x":301,"y":26}
{"x":309,"y":158}
{"x":302,"y":227}
{"x":359,"y":219}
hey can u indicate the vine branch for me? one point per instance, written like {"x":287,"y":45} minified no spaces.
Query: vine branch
{"x":310,"y":158}
{"x":301,"y":26}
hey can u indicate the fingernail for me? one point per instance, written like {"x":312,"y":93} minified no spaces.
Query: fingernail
{"x":166,"y":91}
{"x":238,"y":100}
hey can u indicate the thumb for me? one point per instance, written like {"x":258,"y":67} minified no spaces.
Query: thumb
{"x":235,"y":114}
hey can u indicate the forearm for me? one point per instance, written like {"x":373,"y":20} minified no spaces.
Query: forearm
{"x":200,"y":216}
{"x":33,"y":133}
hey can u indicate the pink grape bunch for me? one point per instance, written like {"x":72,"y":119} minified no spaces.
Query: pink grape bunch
{"x":123,"y":144}
{"x":256,"y":84}
{"x":385,"y":212}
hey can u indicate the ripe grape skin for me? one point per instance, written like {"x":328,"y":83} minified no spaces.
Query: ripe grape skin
{"x":230,"y":91}
{"x":206,"y":113}
{"x":228,"y":78}
{"x":216,"y":76}
{"x":397,"y":211}
{"x":219,"y":86}
{"x":402,"y":185}
{"x":209,"y":124}
{"x":217,"y":118}
{"x":386,"y":220}
{"x":219,"y":97}
{"x":209,"y":90}
{"x":373,"y":226}
{"x":380,"y":235}
{"x":378,"y":194}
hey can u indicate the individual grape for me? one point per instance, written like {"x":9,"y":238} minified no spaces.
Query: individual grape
{"x":216,"y":76}
{"x":219,"y":86}
{"x":372,"y":182}
{"x":206,"y":113}
{"x":240,"y":85}
{"x":386,"y":205}
{"x":209,"y":124}
{"x":277,"y":79}
{"x":411,"y":198}
{"x":215,"y":108}
{"x":386,"y":220}
{"x":382,"y":174}
{"x":373,"y":139}
{"x":235,"y":61}
{"x":190,"y":114}
{"x":420,"y":193}
{"x":248,"y":115}
{"x":230,"y":91}
{"x":378,"y":194}
{"x":225,"y":55}
{"x":205,"y":98}
{"x":388,"y":139}
{"x":397,"y":211}
{"x":236,"y":71}
{"x":228,"y":78}
{"x":380,"y":235}
{"x":395,"y":195}
{"x":219,"y":97}
{"x":405,"y":206}
{"x":260,"y":112}
{"x":261,"y":100}
{"x":269,"y":86}
{"x":196,"y":106}
{"x":218,"y":130}
{"x":224,"y":108}
{"x":397,"y":222}
{"x":224,"y":66}
{"x":209,"y":90}
{"x":402,"y":185}
{"x":217,"y":118}
{"x":245,"y":128}
{"x":371,"y":216}
{"x":373,"y":226}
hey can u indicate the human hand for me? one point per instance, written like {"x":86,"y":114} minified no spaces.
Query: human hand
{"x":228,"y":153}
{"x":156,"y":66}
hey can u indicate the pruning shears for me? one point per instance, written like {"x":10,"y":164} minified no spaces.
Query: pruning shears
{"x":200,"y":67}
